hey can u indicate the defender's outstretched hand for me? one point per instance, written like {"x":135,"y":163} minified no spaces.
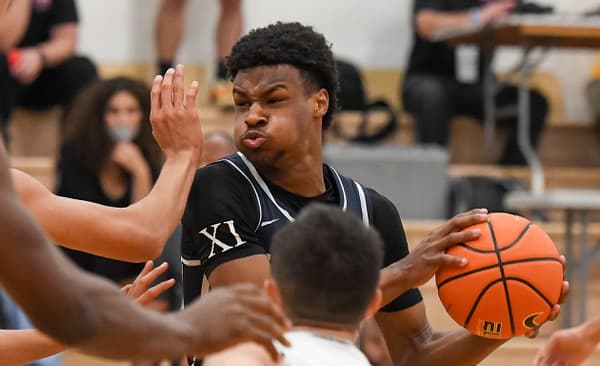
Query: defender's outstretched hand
{"x":570,"y":347}
{"x":174,"y":116}
{"x":139,"y":291}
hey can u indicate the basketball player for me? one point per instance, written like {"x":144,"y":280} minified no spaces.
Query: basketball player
{"x":285,"y":91}
{"x":81,"y":310}
{"x":324,"y":274}
{"x":84,"y":311}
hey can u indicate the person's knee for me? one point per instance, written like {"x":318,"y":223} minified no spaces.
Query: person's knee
{"x":429,"y":92}
{"x":82,"y":68}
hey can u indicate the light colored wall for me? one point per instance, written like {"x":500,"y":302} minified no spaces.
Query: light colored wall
{"x":372,"y":33}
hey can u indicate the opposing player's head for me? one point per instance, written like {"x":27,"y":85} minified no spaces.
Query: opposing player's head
{"x":285,"y":90}
{"x":325,"y":268}
{"x":216,"y":145}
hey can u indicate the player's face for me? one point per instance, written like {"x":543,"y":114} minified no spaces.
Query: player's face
{"x":275,"y":118}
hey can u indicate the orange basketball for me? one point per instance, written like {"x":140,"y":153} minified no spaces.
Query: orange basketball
{"x":511,"y":282}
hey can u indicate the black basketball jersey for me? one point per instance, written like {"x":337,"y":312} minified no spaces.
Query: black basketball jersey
{"x":273,"y":213}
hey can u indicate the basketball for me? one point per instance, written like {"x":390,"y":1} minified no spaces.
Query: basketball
{"x":511,"y":282}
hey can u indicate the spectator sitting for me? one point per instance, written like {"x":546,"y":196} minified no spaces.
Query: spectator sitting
{"x":38,"y":66}
{"x":109,"y":157}
{"x":443,"y":81}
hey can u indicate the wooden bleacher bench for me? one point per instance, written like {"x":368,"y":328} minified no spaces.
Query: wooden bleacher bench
{"x":35,"y":133}
{"x":41,"y":168}
{"x":555,"y":177}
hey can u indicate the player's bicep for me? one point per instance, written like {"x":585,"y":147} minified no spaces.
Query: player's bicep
{"x":254,"y":269}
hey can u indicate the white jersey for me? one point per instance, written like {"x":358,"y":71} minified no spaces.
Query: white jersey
{"x":313,"y":349}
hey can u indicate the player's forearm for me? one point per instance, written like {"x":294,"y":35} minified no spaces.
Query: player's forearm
{"x":19,"y":347}
{"x":392,"y":283}
{"x":161,"y":210}
{"x":591,"y":329}
{"x":136,"y":233}
{"x":78,"y":309}
{"x":142,"y":183}
{"x":120,"y":329}
{"x":459,"y":348}
{"x":61,"y":45}
{"x":430,"y":23}
{"x":13,"y":24}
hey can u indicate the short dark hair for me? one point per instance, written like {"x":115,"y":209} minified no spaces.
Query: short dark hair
{"x":326,"y":265}
{"x":294,"y":44}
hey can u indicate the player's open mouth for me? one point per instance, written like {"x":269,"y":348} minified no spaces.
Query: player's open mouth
{"x":254,"y":139}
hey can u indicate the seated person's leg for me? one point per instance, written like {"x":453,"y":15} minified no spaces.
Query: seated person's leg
{"x":428,"y":99}
{"x":229,"y":30}
{"x":168,"y":32}
{"x":508,"y":95}
{"x":58,"y":85}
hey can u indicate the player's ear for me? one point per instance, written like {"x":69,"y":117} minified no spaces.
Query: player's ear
{"x":272,"y":291}
{"x":320,"y":103}
{"x":374,"y":305}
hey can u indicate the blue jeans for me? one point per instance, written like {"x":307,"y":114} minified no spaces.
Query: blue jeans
{"x":11,"y":317}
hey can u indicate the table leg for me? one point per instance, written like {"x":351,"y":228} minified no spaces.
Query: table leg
{"x":567,"y":307}
{"x":583,"y":267}
{"x":489,"y":106}
{"x":537,"y":176}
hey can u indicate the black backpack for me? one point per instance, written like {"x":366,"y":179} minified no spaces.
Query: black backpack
{"x":352,"y":98}
{"x":469,"y":192}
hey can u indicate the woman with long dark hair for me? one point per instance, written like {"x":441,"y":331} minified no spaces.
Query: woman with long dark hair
{"x":109,"y":156}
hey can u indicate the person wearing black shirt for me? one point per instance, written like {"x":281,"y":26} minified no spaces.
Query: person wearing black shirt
{"x":444,"y":81}
{"x":285,"y":92}
{"x":109,"y":157}
{"x":38,"y":66}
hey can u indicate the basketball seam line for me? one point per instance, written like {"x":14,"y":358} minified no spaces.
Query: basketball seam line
{"x":503,"y":249}
{"x":486,"y":288}
{"x":502,"y":274}
{"x":540,"y":259}
{"x":477,"y":300}
{"x":540,"y":294}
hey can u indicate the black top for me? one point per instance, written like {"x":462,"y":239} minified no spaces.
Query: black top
{"x":222,"y":195}
{"x":45,"y":14}
{"x":74,"y":180}
{"x":436,"y":58}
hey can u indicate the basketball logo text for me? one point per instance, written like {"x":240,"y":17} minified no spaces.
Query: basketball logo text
{"x":490,"y":328}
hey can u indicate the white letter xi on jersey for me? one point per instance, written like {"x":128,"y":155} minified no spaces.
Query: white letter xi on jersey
{"x":219,"y":245}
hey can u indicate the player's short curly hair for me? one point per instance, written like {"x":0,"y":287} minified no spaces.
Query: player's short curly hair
{"x":294,"y":44}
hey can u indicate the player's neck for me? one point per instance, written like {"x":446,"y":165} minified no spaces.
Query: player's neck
{"x":300,"y":175}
